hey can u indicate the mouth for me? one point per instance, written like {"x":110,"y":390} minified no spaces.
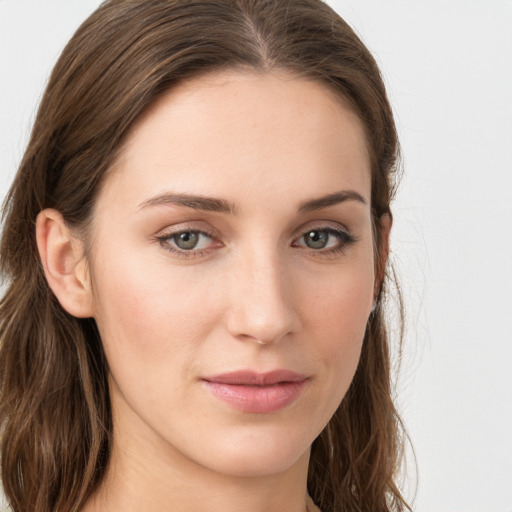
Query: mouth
{"x":257,"y":393}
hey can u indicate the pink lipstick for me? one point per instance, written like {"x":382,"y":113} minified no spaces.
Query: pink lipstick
{"x":257,"y":393}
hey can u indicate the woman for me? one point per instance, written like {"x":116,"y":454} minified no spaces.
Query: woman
{"x":195,"y":246}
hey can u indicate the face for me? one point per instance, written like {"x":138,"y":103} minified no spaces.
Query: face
{"x":233,"y":270}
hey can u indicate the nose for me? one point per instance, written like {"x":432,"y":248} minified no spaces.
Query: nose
{"x":261,"y":300}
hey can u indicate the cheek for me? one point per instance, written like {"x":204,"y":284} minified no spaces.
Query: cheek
{"x":336,"y":316}
{"x":340,"y":301}
{"x":149,"y":315}
{"x":340,"y":324}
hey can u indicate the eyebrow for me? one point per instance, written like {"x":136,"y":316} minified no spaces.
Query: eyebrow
{"x":212,"y":204}
{"x":209,"y":204}
{"x":312,"y":205}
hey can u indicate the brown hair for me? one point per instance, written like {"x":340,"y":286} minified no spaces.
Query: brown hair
{"x":55,"y":415}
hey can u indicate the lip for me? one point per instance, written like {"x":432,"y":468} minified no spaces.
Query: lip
{"x":257,"y":393}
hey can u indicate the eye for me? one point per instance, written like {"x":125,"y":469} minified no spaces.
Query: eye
{"x":325,"y":239}
{"x":188,"y":242}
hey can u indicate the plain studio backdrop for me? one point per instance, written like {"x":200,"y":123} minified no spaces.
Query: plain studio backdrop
{"x":448,"y":68}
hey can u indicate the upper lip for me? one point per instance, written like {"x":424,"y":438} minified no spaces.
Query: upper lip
{"x":253,"y":378}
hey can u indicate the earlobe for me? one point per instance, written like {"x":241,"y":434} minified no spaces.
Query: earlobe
{"x":64,"y":267}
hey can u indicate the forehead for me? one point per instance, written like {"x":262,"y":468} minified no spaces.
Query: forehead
{"x":245,"y":133}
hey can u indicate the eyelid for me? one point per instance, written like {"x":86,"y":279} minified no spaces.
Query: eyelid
{"x":186,"y":226}
{"x":323,"y":225}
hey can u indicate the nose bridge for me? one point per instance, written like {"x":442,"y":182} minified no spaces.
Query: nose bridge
{"x":261,"y":306}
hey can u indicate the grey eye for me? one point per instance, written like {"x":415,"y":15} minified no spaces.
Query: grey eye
{"x":186,"y":240}
{"x":316,"y":239}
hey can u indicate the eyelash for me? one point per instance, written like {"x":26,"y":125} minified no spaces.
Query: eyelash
{"x":345,"y":240}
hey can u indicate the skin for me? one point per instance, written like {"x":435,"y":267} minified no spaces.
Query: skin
{"x":251,"y":295}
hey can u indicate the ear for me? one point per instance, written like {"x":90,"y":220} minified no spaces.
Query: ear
{"x":385,"y":224}
{"x":63,"y":263}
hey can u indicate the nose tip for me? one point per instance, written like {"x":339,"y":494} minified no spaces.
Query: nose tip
{"x":261,"y":308}
{"x":259,"y":327}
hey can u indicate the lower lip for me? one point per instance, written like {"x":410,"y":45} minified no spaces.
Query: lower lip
{"x":257,"y":399}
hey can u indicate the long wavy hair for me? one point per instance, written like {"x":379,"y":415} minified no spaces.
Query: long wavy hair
{"x":55,"y":413}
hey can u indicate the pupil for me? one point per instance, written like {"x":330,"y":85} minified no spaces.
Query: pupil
{"x":316,"y":239}
{"x":186,"y":240}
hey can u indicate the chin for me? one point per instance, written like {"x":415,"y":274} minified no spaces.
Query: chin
{"x":261,"y":465}
{"x":258,"y":455}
